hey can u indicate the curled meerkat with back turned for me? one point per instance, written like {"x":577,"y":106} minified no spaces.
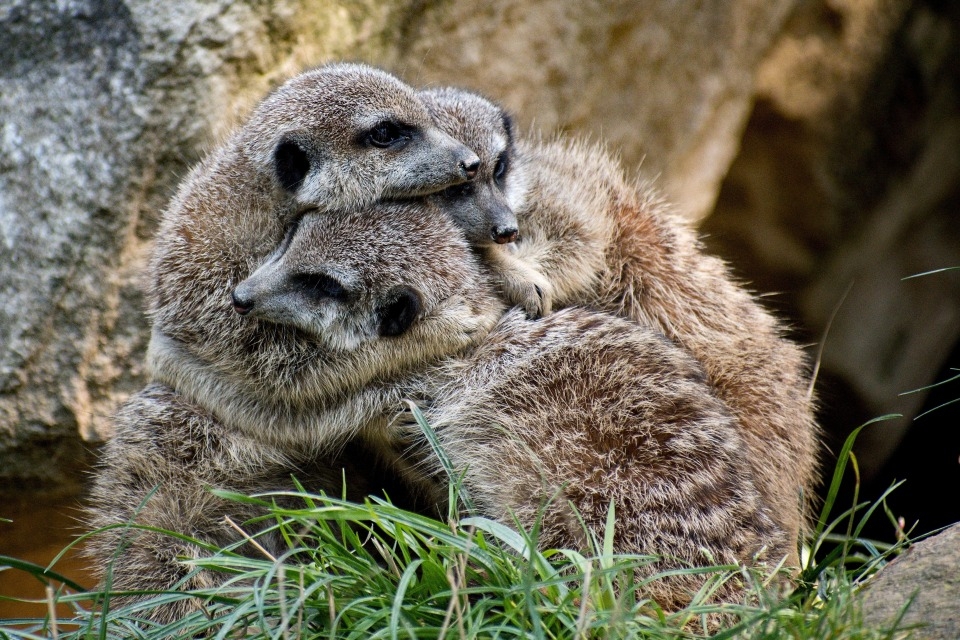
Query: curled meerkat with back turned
{"x":570,"y":413}
{"x":588,"y":236}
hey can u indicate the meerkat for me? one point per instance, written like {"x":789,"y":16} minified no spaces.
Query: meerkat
{"x":329,"y":140}
{"x":322,"y":399}
{"x":571,"y":413}
{"x":480,"y":207}
{"x":589,"y":236}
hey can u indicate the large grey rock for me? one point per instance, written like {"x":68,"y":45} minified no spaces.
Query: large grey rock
{"x":105,"y":103}
{"x":668,"y":83}
{"x":924,"y":581}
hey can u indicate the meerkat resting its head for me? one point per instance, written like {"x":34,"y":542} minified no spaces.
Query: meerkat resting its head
{"x":268,"y":376}
{"x":346,"y":135}
{"x":581,"y":407}
{"x":330,"y":140}
{"x":316,"y":343}
{"x":481,"y":208}
{"x":589,"y":236}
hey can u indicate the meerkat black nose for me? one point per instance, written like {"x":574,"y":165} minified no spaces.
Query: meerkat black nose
{"x":504,"y":235}
{"x":240,"y":305}
{"x":469,"y":167}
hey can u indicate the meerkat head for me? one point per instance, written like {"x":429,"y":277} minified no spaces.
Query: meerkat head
{"x":479,"y":207}
{"x":326,"y":294}
{"x":346,"y":301}
{"x":388,"y":271}
{"x":345,"y":135}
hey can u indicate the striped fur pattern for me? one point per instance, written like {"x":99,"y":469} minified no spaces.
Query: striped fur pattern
{"x":579,"y":406}
{"x":588,"y":236}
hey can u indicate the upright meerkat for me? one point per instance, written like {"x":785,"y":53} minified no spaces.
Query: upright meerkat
{"x":581,"y":407}
{"x":588,"y":236}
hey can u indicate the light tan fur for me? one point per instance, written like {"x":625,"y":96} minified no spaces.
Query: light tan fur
{"x":157,"y":471}
{"x":589,"y":236}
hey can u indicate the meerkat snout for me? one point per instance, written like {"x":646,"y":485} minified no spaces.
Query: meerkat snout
{"x":504,"y":234}
{"x":241,"y":305}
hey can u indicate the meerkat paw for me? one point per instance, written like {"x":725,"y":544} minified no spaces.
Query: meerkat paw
{"x":531,"y":292}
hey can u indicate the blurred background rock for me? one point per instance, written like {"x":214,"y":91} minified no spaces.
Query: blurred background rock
{"x":816,"y":143}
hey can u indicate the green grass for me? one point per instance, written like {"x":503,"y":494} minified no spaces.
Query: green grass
{"x":376,"y":571}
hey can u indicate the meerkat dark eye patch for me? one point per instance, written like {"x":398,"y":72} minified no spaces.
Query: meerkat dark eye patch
{"x":320,"y":286}
{"x":502,"y":166}
{"x":387,"y":134}
{"x":458,"y":191}
{"x":292,"y":164}
{"x":399,"y":312}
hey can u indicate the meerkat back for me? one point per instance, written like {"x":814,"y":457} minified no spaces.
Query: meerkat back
{"x":551,"y":423}
{"x":589,"y":236}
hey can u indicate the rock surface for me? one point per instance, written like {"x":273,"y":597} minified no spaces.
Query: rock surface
{"x":848,"y":181}
{"x":105,"y":104}
{"x":928,"y":577}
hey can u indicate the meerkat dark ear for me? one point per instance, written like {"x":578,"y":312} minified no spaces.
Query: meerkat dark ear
{"x":401,"y":309}
{"x":507,"y":125}
{"x":291,"y":163}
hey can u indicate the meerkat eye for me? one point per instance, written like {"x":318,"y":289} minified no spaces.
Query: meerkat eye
{"x":500,"y":169}
{"x":320,"y":286}
{"x":387,"y":134}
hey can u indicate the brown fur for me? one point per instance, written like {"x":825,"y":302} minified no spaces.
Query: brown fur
{"x":157,"y":470}
{"x":590,"y":407}
{"x":233,"y":210}
{"x":588,"y":236}
{"x":238,"y":403}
